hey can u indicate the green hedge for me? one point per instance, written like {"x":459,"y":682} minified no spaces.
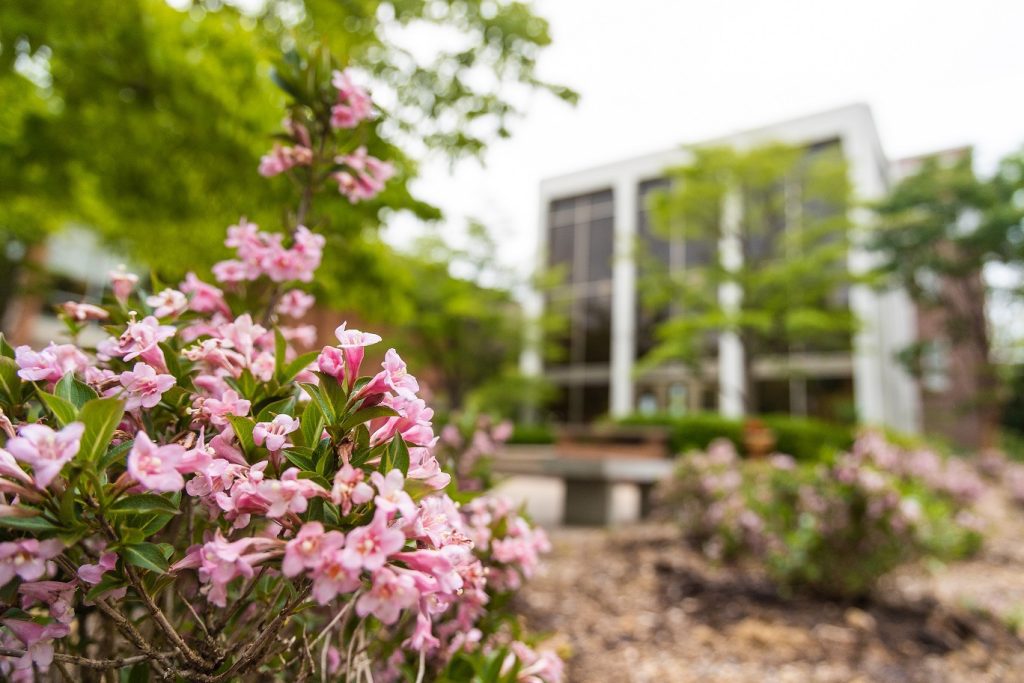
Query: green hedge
{"x":532,"y":434}
{"x":803,"y":438}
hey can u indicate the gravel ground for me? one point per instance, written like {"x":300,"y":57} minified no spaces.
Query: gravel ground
{"x":634,"y":605}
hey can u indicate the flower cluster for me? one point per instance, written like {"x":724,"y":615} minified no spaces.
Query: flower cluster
{"x":467,"y":446}
{"x":201,"y":497}
{"x":833,"y":527}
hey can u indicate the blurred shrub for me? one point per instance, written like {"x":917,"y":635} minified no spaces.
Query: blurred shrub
{"x":801,"y":437}
{"x":832,"y":527}
{"x":532,"y":434}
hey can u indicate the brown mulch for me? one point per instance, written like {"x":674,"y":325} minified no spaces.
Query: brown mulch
{"x":635,"y":605}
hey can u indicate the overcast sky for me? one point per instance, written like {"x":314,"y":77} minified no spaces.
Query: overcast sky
{"x":654,"y":74}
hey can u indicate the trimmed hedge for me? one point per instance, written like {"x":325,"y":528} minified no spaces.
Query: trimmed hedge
{"x":803,"y":438}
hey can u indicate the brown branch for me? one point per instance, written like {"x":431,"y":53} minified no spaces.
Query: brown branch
{"x":161,"y":620}
{"x":86,"y":662}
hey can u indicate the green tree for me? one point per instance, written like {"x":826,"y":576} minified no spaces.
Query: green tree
{"x":781,"y":213}
{"x":938,"y":229}
{"x":147,"y":122}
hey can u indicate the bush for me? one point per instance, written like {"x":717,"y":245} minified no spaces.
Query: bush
{"x":831,"y":527}
{"x":532,"y":435}
{"x":803,"y":438}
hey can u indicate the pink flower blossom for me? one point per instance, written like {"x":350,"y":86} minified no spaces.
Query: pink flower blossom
{"x":333,"y":577}
{"x":231,"y":270}
{"x":275,"y":433}
{"x":140,"y":340}
{"x":307,"y":549}
{"x":58,"y":596}
{"x":9,"y":468}
{"x":354,"y":104}
{"x":156,"y":467}
{"x":289,"y":493}
{"x":230,"y":403}
{"x":353,"y":343}
{"x":80,"y":312}
{"x":368,"y":547}
{"x":349,"y":488}
{"x":38,"y":642}
{"x":27,"y":558}
{"x":123,"y":283}
{"x":168,"y":303}
{"x":398,"y":379}
{"x":205,"y":297}
{"x":93,"y":573}
{"x":391,"y":593}
{"x":220,"y":562}
{"x":294,"y":303}
{"x":365,"y":177}
{"x":144,"y":386}
{"x":45,"y":450}
{"x":391,"y":495}
{"x":50,"y":364}
{"x":282,"y":158}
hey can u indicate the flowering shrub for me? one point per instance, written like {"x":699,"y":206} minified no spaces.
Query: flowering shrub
{"x":197,"y":498}
{"x":467,"y":447}
{"x":832,"y":527}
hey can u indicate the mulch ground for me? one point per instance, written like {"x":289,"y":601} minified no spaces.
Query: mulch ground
{"x":635,"y":605}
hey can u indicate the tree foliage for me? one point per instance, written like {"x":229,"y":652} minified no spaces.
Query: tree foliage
{"x":783,"y":209}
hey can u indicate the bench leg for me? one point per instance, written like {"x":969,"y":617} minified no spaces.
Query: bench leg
{"x":588,"y":502}
{"x":646,"y":499}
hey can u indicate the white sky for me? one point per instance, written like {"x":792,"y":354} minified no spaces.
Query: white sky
{"x":654,"y":74}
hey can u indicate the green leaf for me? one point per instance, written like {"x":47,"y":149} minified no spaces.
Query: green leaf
{"x":298,"y":364}
{"x":326,"y":409}
{"x":172,"y":360}
{"x":37,"y":524}
{"x":115,"y":453}
{"x":62,"y":409}
{"x":311,"y":424}
{"x":10,"y":383}
{"x":243,"y":427}
{"x":145,"y":555}
{"x":6,"y":350}
{"x":154,"y":523}
{"x":303,"y":462}
{"x":396,"y":456}
{"x":317,"y":478}
{"x":101,"y":417}
{"x":333,"y":391}
{"x":280,"y":348}
{"x":143,"y":503}
{"x":74,"y":391}
{"x":271,"y":410}
{"x":367,"y":414}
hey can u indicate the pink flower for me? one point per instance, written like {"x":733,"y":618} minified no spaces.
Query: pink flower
{"x":140,"y":340}
{"x":50,"y":364}
{"x":307,"y":549}
{"x":93,"y":573}
{"x":80,"y":312}
{"x":368,"y":547}
{"x":332,"y":577}
{"x":9,"y":468}
{"x":350,"y":488}
{"x":144,"y":386}
{"x":281,"y":158}
{"x":205,"y":297}
{"x":38,"y":641}
{"x":294,"y":303}
{"x":167,"y":303}
{"x":365,"y":178}
{"x":390,"y":594}
{"x":27,"y":558}
{"x":45,"y":450}
{"x":398,"y":379}
{"x":220,"y":562}
{"x":391,"y":494}
{"x":275,"y":433}
{"x":123,"y":283}
{"x":331,"y":361}
{"x":354,"y":105}
{"x":57,"y":595}
{"x":156,"y":467}
{"x":231,"y":270}
{"x":289,"y":493}
{"x":353,"y":343}
{"x":230,"y":403}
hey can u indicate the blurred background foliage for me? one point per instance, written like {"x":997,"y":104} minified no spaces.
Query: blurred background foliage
{"x":144,"y":121}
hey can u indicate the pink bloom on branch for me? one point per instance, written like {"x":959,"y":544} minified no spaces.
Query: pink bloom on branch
{"x":354,"y":104}
{"x":391,"y":494}
{"x":230,"y":403}
{"x":93,"y":573}
{"x":231,"y":270}
{"x":205,"y":297}
{"x":282,"y":158}
{"x":156,"y":467}
{"x":274,"y":434}
{"x":50,"y":364}
{"x":38,"y":642}
{"x":332,"y":577}
{"x":289,"y":493}
{"x":168,"y":303}
{"x":307,"y":549}
{"x":58,"y":596}
{"x":27,"y":558}
{"x":391,"y":593}
{"x":294,"y":303}
{"x":140,"y":340}
{"x":368,"y":547}
{"x":45,"y":450}
{"x":80,"y":312}
{"x":220,"y":562}
{"x":123,"y":283}
{"x":365,"y":178}
{"x":353,"y":343}
{"x":349,"y":488}
{"x":144,"y":386}
{"x":9,"y":468}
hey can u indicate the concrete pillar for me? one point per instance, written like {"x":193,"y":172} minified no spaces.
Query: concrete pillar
{"x":624,"y":297}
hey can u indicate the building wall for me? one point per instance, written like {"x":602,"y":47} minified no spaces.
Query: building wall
{"x":884,"y":393}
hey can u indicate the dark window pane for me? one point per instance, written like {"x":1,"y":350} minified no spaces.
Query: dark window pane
{"x":559,"y":345}
{"x":647,"y":323}
{"x":597,"y":329}
{"x":601,"y":239}
{"x":651,"y":242}
{"x":561,"y":247}
{"x":559,"y":407}
{"x":699,"y":253}
{"x":595,"y":401}
{"x":773,"y":395}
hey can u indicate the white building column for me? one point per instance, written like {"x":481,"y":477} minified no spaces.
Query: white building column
{"x":623,"y":297}
{"x":731,"y":379}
